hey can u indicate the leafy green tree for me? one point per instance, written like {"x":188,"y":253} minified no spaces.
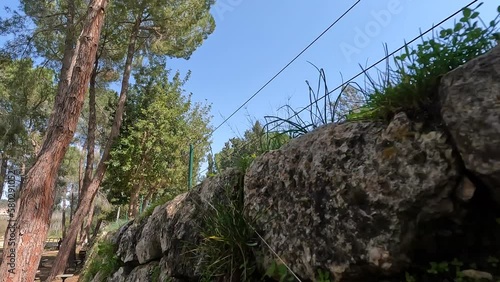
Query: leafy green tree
{"x":151,"y":155}
{"x":239,"y":152}
{"x":26,"y":94}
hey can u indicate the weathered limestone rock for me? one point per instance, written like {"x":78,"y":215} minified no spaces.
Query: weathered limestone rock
{"x":128,"y":240}
{"x":116,"y":237}
{"x":359,"y":200}
{"x":477,"y":275}
{"x":350,"y":198}
{"x":470,"y":98}
{"x":148,"y":246}
{"x":118,"y":276}
{"x":142,"y":273}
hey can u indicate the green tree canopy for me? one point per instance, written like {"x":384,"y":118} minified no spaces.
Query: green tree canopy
{"x":152,"y":153}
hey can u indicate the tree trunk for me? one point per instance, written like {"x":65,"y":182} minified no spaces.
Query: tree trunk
{"x":88,"y":223}
{"x":147,"y":199}
{"x":3,"y":172}
{"x":134,"y":200}
{"x":96,"y":229}
{"x":136,"y":188}
{"x":71,"y":205}
{"x":89,"y":166}
{"x":64,"y":215}
{"x":37,"y":195}
{"x":91,"y":191}
{"x":81,"y":171}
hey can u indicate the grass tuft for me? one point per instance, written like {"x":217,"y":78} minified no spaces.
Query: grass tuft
{"x":227,"y":238}
{"x":103,"y":260}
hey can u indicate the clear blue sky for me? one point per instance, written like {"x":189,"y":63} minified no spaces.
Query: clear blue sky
{"x":255,"y":38}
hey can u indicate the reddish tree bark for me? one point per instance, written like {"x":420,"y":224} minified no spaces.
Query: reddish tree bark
{"x":85,"y":231}
{"x":37,"y":194}
{"x":89,"y":166}
{"x":91,"y":128}
{"x":134,"y":200}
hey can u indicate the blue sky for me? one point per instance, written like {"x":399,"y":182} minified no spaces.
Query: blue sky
{"x":254,"y":39}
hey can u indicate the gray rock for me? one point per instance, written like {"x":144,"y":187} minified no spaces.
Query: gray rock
{"x":470,"y":98}
{"x":119,"y":276}
{"x":116,"y":237}
{"x":148,"y":245}
{"x":348,"y":198}
{"x":142,"y":273}
{"x":477,"y":275}
{"x":128,"y":240}
{"x":99,"y":277}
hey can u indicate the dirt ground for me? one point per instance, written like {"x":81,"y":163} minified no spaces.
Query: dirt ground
{"x":48,"y":257}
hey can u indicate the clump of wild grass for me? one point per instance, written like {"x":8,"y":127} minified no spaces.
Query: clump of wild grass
{"x":103,"y":260}
{"x":227,"y":238}
{"x":319,"y":111}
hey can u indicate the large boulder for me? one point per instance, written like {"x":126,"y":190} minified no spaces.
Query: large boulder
{"x":148,"y":246}
{"x":128,"y":241}
{"x":350,"y":198}
{"x":470,"y":98}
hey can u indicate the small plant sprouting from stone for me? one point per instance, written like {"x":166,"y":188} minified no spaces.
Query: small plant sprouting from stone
{"x":323,"y":276}
{"x":103,"y":260}
{"x":279,"y":272}
{"x":438,"y":267}
{"x":493,"y":261}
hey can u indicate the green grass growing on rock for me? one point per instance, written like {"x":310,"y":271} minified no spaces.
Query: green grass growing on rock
{"x":103,"y":260}
{"x":411,"y":86}
{"x":227,"y":238}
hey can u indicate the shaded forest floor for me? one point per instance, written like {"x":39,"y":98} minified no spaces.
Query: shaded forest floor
{"x":48,"y":258}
